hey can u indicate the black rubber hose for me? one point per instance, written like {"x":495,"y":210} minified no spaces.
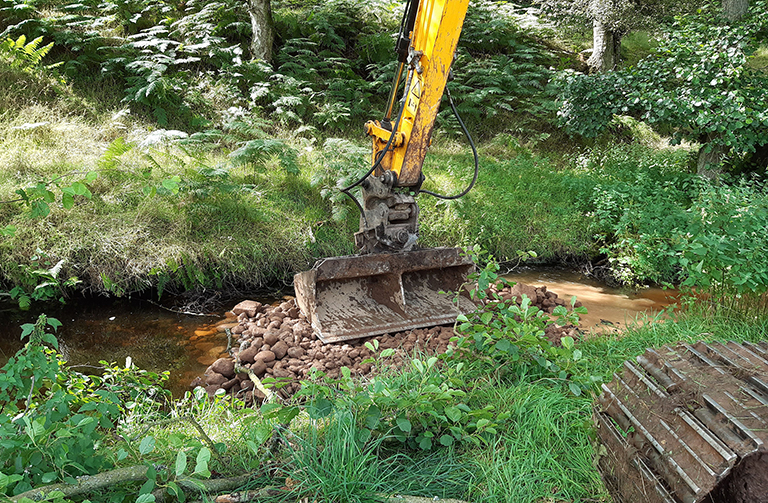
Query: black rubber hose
{"x":346,"y":190}
{"x":474,"y":152}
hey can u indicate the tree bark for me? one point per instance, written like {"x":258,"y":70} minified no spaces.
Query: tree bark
{"x":605,"y":48}
{"x":709,"y":163}
{"x":263,"y":29}
{"x":735,"y":9}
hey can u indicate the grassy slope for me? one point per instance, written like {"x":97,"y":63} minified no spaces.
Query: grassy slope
{"x":273,"y":225}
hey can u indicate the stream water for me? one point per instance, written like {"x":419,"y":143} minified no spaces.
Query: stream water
{"x":609,"y":309}
{"x":157,"y":339}
{"x":97,"y":329}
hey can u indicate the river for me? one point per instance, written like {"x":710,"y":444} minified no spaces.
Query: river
{"x":157,"y":339}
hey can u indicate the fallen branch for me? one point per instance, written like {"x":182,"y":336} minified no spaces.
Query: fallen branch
{"x":87,"y":483}
{"x":256,"y":381}
{"x":211,"y":486}
{"x":245,"y":496}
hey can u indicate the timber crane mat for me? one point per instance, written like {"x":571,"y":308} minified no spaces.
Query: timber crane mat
{"x":687,"y":424}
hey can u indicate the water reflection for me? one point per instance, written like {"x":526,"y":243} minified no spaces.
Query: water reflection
{"x":113,"y":329}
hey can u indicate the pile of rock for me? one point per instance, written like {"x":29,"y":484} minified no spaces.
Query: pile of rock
{"x":277,"y":341}
{"x":540,"y":296}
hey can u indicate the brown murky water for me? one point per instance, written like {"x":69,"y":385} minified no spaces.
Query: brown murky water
{"x":609,"y":309}
{"x":114,"y":329}
{"x":158,"y":340}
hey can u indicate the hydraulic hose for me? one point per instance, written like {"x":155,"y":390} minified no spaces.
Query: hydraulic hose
{"x":474,"y":152}
{"x":346,"y":190}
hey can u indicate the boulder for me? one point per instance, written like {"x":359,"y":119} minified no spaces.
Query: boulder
{"x":214,"y":379}
{"x":258,"y":367}
{"x":249,"y":354}
{"x":224,"y":366}
{"x":249,"y":307}
{"x":521,"y":289}
{"x":266,"y":356}
{"x":280,"y":349}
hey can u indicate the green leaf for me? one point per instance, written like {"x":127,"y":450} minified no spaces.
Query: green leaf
{"x":425,"y":444}
{"x":147,"y":487}
{"x":575,"y":389}
{"x":147,"y":445}
{"x":146,"y":497}
{"x":404,"y":424}
{"x":446,"y":440}
{"x":181,"y":463}
{"x":201,"y":463}
{"x":503,"y":345}
{"x":320,"y":407}
{"x":175,"y":491}
{"x":67,"y":201}
{"x":387,"y":352}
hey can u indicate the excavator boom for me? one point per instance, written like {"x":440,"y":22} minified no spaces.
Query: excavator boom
{"x":393,"y":285}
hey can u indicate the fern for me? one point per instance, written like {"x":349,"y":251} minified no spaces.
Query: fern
{"x":21,"y":55}
{"x":258,"y":152}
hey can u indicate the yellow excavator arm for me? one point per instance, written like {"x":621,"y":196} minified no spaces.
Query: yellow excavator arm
{"x":434,"y":36}
{"x":392,"y":285}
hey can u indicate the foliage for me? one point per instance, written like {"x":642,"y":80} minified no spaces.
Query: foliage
{"x":53,"y":419}
{"x":40,"y":281}
{"x":513,"y":339}
{"x":342,"y":164}
{"x":723,"y":246}
{"x":636,"y":201}
{"x":697,"y":83}
{"x":660,"y":224}
{"x":500,"y":70}
{"x":423,"y":407}
{"x":619,"y":16}
{"x":22,"y":55}
{"x":39,"y":197}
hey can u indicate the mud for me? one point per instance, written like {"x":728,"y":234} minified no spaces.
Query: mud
{"x":277,"y":341}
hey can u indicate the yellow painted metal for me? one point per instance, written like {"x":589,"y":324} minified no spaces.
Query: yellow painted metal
{"x":434,"y":39}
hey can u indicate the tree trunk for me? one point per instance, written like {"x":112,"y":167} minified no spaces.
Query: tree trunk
{"x":263,"y":29}
{"x":709,"y":163}
{"x":605,"y":48}
{"x":735,"y":9}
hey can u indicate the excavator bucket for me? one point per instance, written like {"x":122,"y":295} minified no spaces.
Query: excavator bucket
{"x":363,"y":295}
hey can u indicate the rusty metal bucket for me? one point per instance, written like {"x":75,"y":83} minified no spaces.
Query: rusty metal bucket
{"x":358,"y":296}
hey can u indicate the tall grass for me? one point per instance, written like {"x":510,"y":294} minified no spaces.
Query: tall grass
{"x":544,"y":453}
{"x":519,"y":203}
{"x":338,"y":462}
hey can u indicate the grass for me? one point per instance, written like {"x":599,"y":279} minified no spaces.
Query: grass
{"x":545,"y":452}
{"x":236,"y":227}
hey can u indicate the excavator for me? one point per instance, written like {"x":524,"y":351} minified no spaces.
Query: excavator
{"x":392,"y":285}
{"x":681,"y":424}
